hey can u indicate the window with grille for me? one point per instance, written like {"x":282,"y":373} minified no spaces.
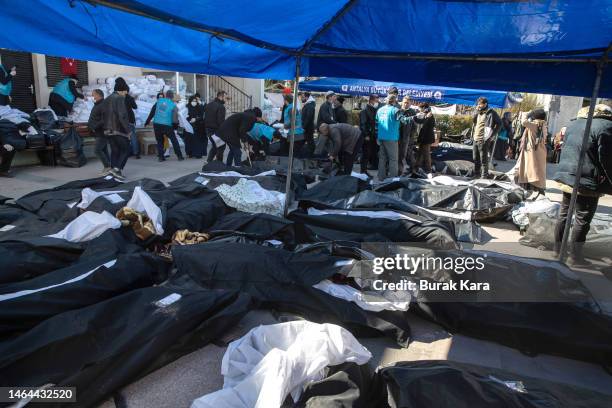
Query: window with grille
{"x":54,"y":71}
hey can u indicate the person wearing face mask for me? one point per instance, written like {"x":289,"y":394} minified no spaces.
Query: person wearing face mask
{"x":63,"y":95}
{"x":308,"y":120}
{"x":299,"y":131}
{"x":6,"y":84}
{"x":196,"y":144}
{"x":486,"y":123}
{"x":367,"y":125}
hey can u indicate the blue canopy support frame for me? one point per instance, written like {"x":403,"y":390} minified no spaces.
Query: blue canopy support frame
{"x":526,"y":46}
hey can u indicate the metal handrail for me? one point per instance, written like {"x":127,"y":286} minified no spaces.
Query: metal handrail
{"x":237,"y":99}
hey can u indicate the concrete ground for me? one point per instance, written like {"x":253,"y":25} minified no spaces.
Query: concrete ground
{"x":196,"y":374}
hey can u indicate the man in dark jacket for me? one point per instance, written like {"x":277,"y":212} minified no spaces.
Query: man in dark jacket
{"x":326,"y":111}
{"x":308,"y":120}
{"x":340,"y":138}
{"x":340,"y":113}
{"x":214,"y":115}
{"x":367,"y":125}
{"x":117,"y":128}
{"x":426,"y":136}
{"x":595,"y":179}
{"x":485,"y":126}
{"x":63,"y":95}
{"x":233,"y":131}
{"x":96,"y":129}
{"x":408,"y":138}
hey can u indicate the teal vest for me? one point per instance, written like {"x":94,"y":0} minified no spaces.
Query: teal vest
{"x":298,"y":120}
{"x":5,"y":89}
{"x":63,"y":89}
{"x":388,"y":125}
{"x":259,"y":131}
{"x":163,"y":112}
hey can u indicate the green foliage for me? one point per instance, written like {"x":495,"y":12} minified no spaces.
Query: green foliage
{"x":453,"y":125}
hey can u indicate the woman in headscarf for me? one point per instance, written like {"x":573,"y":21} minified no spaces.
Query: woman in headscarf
{"x":196,"y":143}
{"x":531,"y":165}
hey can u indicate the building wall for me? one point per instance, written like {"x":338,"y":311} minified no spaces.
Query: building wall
{"x":97,"y":70}
{"x":253,"y":87}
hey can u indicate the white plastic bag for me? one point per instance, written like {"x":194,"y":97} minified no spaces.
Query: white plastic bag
{"x":270,"y":362}
{"x":367,"y":300}
{"x":87,"y":226}
{"x":141,"y":202}
{"x":88,"y":196}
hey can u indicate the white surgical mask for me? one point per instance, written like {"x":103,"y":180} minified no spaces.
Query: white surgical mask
{"x":193,"y":103}
{"x":375,"y":104}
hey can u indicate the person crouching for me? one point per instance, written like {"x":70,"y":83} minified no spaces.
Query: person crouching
{"x":340,"y":138}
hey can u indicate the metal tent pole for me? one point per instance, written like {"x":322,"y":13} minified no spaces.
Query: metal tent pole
{"x":583,"y":148}
{"x":292,"y":134}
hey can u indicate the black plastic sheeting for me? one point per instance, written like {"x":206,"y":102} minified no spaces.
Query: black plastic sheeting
{"x":438,"y":384}
{"x":533,"y":305}
{"x":52,"y":205}
{"x":344,"y":386}
{"x":487,"y":202}
{"x":23,"y":258}
{"x":320,"y":228}
{"x":131,"y":271}
{"x":258,"y":227}
{"x":102,"y":347}
{"x":541,"y":234}
{"x":331,"y":191}
{"x":282,"y":281}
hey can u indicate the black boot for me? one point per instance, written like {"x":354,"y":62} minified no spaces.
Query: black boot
{"x":576,"y":257}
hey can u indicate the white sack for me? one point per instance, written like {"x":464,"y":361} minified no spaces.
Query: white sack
{"x":88,"y":196}
{"x":87,"y":226}
{"x":249,"y":196}
{"x":236,"y":174}
{"x":367,"y":300}
{"x":270,"y":362}
{"x":141,"y":202}
{"x":520,"y":212}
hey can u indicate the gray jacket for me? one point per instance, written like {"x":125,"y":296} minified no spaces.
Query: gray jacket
{"x":115,"y":116}
{"x":342,"y":137}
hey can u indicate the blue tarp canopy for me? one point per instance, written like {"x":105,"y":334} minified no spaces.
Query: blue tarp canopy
{"x":426,"y":93}
{"x":549,"y":46}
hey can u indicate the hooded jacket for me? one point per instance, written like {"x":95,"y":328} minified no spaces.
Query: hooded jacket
{"x":596,"y":175}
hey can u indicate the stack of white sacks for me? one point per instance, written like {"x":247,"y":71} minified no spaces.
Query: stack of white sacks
{"x":144,"y":89}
